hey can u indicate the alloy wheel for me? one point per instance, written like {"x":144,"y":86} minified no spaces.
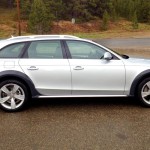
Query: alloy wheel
{"x":12,"y":96}
{"x":145,"y":93}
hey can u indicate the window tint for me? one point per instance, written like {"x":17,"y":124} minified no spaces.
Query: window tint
{"x":45,"y":49}
{"x":84,"y":50}
{"x":12,"y":51}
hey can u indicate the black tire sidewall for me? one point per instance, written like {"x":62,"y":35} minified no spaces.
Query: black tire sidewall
{"x":140,"y":90}
{"x":25,"y":91}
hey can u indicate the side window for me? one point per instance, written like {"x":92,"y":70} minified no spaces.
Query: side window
{"x":84,"y":50}
{"x":45,"y":49}
{"x":12,"y":51}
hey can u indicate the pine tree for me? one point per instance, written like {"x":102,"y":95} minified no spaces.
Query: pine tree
{"x":39,"y":19}
{"x":130,"y":10}
{"x":105,"y":21}
{"x":55,"y":8}
{"x":149,"y":18}
{"x":113,"y":10}
{"x":97,"y":7}
{"x":114,"y":15}
{"x":25,"y":9}
{"x":135,"y":21}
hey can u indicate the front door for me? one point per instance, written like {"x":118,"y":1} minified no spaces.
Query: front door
{"x":93,"y":75}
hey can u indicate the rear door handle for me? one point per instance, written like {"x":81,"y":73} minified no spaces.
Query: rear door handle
{"x":78,"y":68}
{"x":33,"y":68}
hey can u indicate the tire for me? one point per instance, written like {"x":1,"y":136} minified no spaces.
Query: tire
{"x":13,"y":95}
{"x":144,"y":92}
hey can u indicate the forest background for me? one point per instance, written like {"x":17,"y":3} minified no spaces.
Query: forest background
{"x":92,"y":17}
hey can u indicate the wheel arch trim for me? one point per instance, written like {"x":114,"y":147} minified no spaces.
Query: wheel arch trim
{"x":21,"y":76}
{"x":137,"y":80}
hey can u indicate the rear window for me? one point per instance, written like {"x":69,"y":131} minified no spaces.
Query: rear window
{"x":45,"y":50}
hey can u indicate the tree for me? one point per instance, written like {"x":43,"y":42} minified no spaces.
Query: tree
{"x":85,"y":10}
{"x":56,"y":8}
{"x":25,"y":9}
{"x":97,"y":7}
{"x":7,"y":3}
{"x":143,"y":11}
{"x":130,"y":9}
{"x":105,"y":21}
{"x":113,"y":10}
{"x":75,"y":9}
{"x":39,"y":19}
{"x":135,"y":21}
{"x":114,"y":15}
{"x":149,"y":17}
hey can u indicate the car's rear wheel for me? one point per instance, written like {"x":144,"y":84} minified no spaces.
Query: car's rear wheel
{"x":13,"y":95}
{"x":144,"y":92}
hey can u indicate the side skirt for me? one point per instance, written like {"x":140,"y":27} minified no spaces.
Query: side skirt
{"x":69,"y":96}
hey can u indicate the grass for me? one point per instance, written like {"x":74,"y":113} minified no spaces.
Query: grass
{"x":114,"y":34}
{"x":7,"y":23}
{"x":7,"y":16}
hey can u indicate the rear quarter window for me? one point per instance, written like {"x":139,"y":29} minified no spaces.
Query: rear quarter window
{"x":12,"y":51}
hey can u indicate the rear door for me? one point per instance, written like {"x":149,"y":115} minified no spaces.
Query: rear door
{"x":47,"y":67}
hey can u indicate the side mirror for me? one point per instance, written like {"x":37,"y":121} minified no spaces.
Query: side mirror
{"x":107,"y":56}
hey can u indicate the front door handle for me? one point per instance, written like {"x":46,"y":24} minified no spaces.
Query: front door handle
{"x":33,"y":68}
{"x":78,"y":68}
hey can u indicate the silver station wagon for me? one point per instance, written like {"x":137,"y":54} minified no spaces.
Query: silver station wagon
{"x":48,"y":66}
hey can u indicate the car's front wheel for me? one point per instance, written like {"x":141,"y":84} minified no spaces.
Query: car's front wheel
{"x":144,"y":92}
{"x":13,"y":95}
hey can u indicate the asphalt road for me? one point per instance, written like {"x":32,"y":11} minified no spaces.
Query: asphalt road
{"x":126,"y":43}
{"x":77,"y":124}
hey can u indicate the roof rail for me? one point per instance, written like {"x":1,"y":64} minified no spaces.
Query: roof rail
{"x":44,"y":36}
